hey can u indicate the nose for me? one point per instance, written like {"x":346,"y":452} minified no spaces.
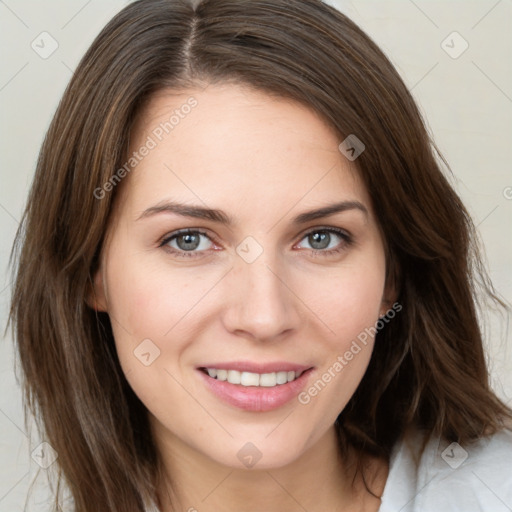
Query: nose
{"x":261,"y":302}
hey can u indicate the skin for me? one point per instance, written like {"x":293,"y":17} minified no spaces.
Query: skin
{"x":262,"y":160}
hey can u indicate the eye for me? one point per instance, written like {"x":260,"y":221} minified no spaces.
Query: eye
{"x":323,"y":240}
{"x":189,"y":243}
{"x":186,"y":243}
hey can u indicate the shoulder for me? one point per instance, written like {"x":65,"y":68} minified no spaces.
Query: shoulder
{"x":449,"y":477}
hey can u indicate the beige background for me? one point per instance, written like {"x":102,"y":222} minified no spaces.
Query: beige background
{"x":467,"y":101}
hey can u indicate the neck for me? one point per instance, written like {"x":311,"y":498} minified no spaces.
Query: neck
{"x":320,"y":479}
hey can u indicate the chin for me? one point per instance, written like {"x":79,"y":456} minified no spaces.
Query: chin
{"x":258,"y":453}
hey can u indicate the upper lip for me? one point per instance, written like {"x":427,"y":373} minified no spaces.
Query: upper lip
{"x":254,"y":367}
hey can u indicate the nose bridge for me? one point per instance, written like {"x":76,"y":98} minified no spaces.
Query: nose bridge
{"x":261,"y":303}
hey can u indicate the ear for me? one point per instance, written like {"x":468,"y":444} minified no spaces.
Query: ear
{"x":96,"y":296}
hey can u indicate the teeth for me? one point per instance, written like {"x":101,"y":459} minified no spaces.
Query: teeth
{"x":268,"y":380}
{"x":249,"y":379}
{"x":282,"y":377}
{"x":234,"y":376}
{"x":222,"y":374}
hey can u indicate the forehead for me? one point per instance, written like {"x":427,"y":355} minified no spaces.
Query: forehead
{"x":229,"y":143}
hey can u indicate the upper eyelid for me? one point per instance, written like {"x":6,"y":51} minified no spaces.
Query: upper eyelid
{"x":323,"y":228}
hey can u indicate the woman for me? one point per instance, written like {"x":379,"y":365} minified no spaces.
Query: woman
{"x":254,"y":286}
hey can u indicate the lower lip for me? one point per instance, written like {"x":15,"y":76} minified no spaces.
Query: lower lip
{"x":256,"y":398}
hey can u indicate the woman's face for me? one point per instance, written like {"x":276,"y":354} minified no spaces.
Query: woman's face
{"x":261,"y":291}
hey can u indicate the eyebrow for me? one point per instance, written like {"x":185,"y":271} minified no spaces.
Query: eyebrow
{"x":221,"y":217}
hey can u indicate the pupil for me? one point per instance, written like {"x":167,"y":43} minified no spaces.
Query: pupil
{"x":320,"y":237}
{"x":189,"y":242}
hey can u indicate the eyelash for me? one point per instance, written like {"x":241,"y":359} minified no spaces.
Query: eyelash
{"x":346,"y":241}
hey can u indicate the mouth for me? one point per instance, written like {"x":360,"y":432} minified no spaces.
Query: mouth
{"x":255,"y":391}
{"x":247,"y":379}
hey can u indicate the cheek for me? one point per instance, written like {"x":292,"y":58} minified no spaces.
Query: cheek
{"x":348,"y":300}
{"x":144,"y":306}
{"x":147,"y":300}
{"x":135,"y":308}
{"x":349,"y":307}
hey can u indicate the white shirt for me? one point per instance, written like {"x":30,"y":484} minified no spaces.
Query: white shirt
{"x":449,"y":478}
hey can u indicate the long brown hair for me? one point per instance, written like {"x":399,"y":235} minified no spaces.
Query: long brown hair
{"x":428,"y":368}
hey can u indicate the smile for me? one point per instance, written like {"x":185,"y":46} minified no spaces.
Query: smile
{"x":255,"y":391}
{"x":268,"y":380}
